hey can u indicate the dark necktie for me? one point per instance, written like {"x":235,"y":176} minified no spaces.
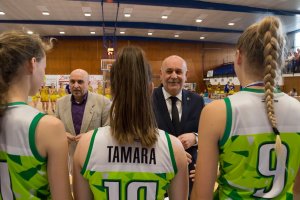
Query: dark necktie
{"x":175,"y":114}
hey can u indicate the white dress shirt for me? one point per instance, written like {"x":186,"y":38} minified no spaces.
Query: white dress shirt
{"x":169,"y":102}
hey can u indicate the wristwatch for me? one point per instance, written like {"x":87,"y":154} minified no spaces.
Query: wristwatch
{"x":196,"y":134}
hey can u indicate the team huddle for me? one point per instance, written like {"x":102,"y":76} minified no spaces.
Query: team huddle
{"x":149,"y":144}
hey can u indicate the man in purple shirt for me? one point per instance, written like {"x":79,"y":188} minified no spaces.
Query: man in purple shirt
{"x":81,"y":111}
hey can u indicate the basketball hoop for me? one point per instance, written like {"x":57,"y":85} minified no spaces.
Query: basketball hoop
{"x":106,"y":64}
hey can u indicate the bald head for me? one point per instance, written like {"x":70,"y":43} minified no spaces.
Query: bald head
{"x":173,"y":74}
{"x":82,"y":72}
{"x":174,"y":59}
{"x":79,"y":80}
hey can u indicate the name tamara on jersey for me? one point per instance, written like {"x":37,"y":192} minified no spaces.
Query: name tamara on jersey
{"x":117,"y":154}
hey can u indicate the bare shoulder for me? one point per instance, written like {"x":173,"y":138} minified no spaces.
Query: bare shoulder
{"x":82,"y":148}
{"x":213,"y":119}
{"x":50,"y":129}
{"x":86,"y":138}
{"x":177,"y":146}
{"x":215,"y":110}
{"x":175,"y":142}
{"x":215,"y":106}
{"x":50,"y":134}
{"x":50,"y":123}
{"x":85,"y":141}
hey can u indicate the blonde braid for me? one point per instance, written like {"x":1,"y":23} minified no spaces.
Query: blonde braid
{"x":272,"y":43}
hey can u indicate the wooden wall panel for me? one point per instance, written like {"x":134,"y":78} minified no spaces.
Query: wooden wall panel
{"x":58,"y":60}
{"x":70,"y":54}
{"x":290,"y":83}
{"x":156,"y":52}
{"x":217,"y":54}
{"x":86,"y":55}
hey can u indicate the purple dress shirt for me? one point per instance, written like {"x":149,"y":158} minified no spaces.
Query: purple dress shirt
{"x":77,"y":112}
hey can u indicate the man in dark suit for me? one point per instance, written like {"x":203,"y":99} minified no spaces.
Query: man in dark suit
{"x":177,"y":110}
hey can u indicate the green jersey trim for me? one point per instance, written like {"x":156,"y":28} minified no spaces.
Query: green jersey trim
{"x":258,"y":90}
{"x":89,"y":152}
{"x":171,"y":152}
{"x":228,"y":122}
{"x":16,"y":103}
{"x":32,"y":129}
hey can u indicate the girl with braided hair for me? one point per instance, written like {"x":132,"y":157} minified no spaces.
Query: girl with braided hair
{"x":255,"y":133}
{"x":33,"y":146}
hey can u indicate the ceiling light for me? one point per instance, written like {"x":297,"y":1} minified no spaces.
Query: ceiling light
{"x":87,"y":14}
{"x":93,"y":32}
{"x":127,"y":15}
{"x":231,"y":24}
{"x":45,"y":13}
{"x":198,"y":20}
{"x":2,"y":13}
{"x":122,"y":32}
{"x":150,"y":33}
{"x":30,"y":32}
{"x":176,"y":35}
{"x":202,"y":38}
{"x":62,"y":32}
{"x":164,"y":17}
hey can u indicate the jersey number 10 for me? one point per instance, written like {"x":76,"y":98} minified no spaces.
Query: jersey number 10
{"x":132,"y":190}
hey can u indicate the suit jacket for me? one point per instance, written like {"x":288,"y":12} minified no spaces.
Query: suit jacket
{"x":96,"y":114}
{"x":192,"y":105}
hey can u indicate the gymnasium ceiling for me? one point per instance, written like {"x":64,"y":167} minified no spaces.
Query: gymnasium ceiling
{"x":66,"y":18}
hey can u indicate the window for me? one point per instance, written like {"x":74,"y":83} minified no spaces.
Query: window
{"x":297,"y":41}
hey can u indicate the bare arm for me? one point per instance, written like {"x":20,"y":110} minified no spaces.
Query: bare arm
{"x":52,"y":143}
{"x":211,"y":127}
{"x":297,"y":186}
{"x":81,"y":186}
{"x":179,"y":185}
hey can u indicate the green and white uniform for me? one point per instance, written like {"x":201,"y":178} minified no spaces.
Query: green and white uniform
{"x":23,"y":173}
{"x":248,"y":164}
{"x":128,"y":172}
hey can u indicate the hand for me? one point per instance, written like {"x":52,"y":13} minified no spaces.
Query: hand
{"x":77,"y":137}
{"x":70,"y":137}
{"x":187,"y":140}
{"x":193,"y":174}
{"x":189,"y":157}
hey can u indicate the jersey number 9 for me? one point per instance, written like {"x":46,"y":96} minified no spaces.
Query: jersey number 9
{"x":268,"y":167}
